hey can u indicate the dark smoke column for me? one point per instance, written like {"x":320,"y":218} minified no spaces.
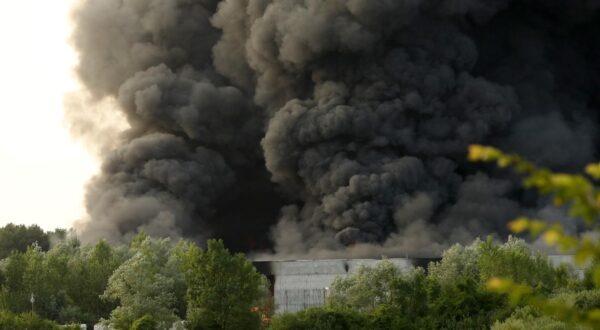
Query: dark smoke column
{"x":357,"y":113}
{"x":373,"y":104}
{"x":191,"y":159}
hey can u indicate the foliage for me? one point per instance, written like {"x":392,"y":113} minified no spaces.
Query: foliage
{"x":582,"y":197}
{"x":514,"y":260}
{"x":457,"y":262}
{"x":391,"y":298}
{"x":383,"y":284}
{"x":30,"y":321}
{"x":71,"y":326}
{"x":320,"y":319}
{"x":66,"y":281}
{"x":587,"y":300}
{"x":483,"y":260}
{"x":386,"y":317}
{"x":145,"y":322}
{"x":222,"y":288}
{"x":463,"y":304}
{"x":87,"y":278}
{"x":528,"y":318}
{"x":146,"y":283}
{"x":20,"y":237}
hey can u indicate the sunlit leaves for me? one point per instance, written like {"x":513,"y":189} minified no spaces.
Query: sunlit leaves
{"x":522,"y":224}
{"x":519,"y":293}
{"x":582,"y":198}
{"x":515,"y":292}
{"x":519,"y":225}
{"x":593,"y":170}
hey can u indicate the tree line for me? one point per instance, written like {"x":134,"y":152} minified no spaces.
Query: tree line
{"x":154,"y":283}
{"x":149,"y":283}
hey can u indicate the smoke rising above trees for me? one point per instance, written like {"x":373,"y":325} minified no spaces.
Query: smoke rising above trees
{"x":314,"y":126}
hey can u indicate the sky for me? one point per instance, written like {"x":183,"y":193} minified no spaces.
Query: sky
{"x":43,"y":171}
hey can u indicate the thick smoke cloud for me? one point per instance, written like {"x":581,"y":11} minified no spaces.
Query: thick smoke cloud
{"x":333,"y":127}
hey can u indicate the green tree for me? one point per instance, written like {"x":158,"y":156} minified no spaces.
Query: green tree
{"x":394,"y":299}
{"x":383,"y":284}
{"x":222,"y":288}
{"x":457,"y":262}
{"x":463,"y":304}
{"x":145,"y":284}
{"x":20,"y":237}
{"x":14,"y":296}
{"x":581,"y":194}
{"x":483,"y":260}
{"x":88,"y":271}
{"x":515,"y":261}
{"x":29,"y":321}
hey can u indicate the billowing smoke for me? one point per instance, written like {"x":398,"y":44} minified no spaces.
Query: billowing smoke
{"x":335,"y":126}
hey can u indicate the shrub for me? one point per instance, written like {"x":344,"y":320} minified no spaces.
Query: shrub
{"x":462,"y":305}
{"x":588,"y":299}
{"x":145,"y":322}
{"x":382,"y":284}
{"x":514,"y":260}
{"x":30,"y":321}
{"x":320,"y":319}
{"x":457,"y":262}
{"x":529,"y":318}
{"x":388,"y":317}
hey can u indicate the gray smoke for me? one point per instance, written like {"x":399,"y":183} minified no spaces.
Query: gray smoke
{"x":332,"y":127}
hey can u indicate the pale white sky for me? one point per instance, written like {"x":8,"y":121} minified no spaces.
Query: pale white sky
{"x":42,"y":169}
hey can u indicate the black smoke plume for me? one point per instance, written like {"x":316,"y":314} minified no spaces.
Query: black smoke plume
{"x":333,"y":125}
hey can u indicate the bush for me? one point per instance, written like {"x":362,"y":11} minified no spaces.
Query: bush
{"x":320,"y":319}
{"x":588,"y":299}
{"x":388,"y":317}
{"x":462,"y":305}
{"x":514,"y":260}
{"x":393,"y":299}
{"x":199,"y":319}
{"x":30,"y":321}
{"x":529,"y":318}
{"x":145,"y":322}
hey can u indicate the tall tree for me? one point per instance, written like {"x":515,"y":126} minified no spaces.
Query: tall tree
{"x":146,"y":283}
{"x":20,"y":237}
{"x":222,"y":288}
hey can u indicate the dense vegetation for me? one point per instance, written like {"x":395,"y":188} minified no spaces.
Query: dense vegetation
{"x":155,"y":283}
{"x":147,"y":284}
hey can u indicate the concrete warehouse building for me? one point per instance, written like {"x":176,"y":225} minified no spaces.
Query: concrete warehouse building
{"x":300,"y":284}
